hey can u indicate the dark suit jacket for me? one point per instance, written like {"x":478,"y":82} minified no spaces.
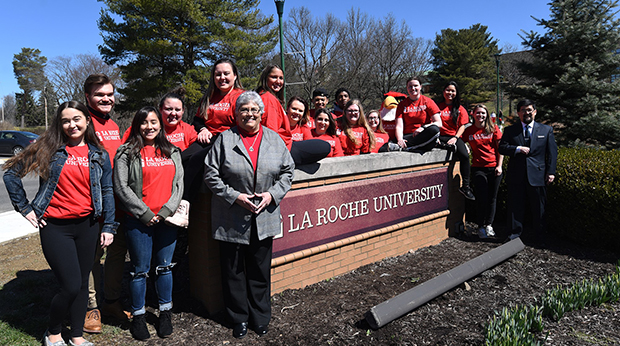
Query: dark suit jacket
{"x":229,"y":172}
{"x":538,"y":163}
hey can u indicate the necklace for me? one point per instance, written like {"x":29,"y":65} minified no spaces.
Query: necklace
{"x":252,"y":146}
{"x":247,"y":141}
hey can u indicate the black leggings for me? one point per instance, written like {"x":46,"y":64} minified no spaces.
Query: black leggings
{"x":424,"y":140}
{"x":486,"y":185}
{"x":309,"y":151}
{"x":69,"y":248}
{"x":461,"y":154}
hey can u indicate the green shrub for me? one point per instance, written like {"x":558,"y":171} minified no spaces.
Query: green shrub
{"x":584,"y":201}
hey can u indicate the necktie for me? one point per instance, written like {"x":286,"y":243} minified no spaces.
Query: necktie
{"x":527,"y":135}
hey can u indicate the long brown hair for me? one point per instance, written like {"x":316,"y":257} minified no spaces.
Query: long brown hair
{"x":37,"y":156}
{"x":262,"y":83}
{"x":343,"y":123}
{"x":331,"y":128}
{"x":206,"y":99}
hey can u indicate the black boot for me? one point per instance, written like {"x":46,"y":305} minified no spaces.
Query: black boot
{"x":138,"y":327}
{"x":165,"y":324}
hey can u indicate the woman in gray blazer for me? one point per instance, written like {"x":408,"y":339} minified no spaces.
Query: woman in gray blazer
{"x":249,"y":170}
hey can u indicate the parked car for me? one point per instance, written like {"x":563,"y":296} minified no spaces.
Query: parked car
{"x":13,"y":142}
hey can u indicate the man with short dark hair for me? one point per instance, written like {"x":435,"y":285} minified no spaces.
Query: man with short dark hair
{"x":319,"y":100}
{"x":533,"y":156}
{"x":342,"y":96}
{"x":100,"y":100}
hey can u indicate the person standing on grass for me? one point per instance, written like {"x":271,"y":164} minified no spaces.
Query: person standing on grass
{"x":75,"y":191}
{"x":148,"y":181}
{"x":533,"y":156}
{"x":100,"y":100}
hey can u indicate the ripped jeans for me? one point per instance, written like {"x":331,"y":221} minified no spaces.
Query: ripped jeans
{"x":154,"y":243}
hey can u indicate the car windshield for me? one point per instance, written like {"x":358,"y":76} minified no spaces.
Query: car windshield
{"x":30,"y":135}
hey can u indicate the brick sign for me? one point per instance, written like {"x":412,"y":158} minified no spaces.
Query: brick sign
{"x":320,"y":215}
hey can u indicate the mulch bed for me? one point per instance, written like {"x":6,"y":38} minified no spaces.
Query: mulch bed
{"x":332,"y":312}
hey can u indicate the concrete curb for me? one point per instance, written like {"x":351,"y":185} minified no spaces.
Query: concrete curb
{"x":14,"y":225}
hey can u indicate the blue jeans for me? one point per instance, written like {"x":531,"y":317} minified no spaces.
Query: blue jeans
{"x":142,"y":242}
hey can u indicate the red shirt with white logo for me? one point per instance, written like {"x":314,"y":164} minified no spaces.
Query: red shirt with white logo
{"x":448,"y":127}
{"x":484,"y":147}
{"x":416,"y":113}
{"x":333,"y":141}
{"x":362,"y":145}
{"x":300,"y":133}
{"x":157,"y":176}
{"x":72,"y":199}
{"x":108,"y":133}
{"x":221,"y":111}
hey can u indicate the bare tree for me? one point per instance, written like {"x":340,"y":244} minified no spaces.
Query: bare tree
{"x":9,"y":109}
{"x":511,"y":75}
{"x":312,"y":48}
{"x":396,"y":55}
{"x":68,"y":73}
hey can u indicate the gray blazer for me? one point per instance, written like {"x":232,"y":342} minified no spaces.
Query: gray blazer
{"x":229,"y":172}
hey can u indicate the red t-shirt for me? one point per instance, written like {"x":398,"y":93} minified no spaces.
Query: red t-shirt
{"x":333,"y":141}
{"x":221,"y":112}
{"x":300,"y":133}
{"x":251,"y":142}
{"x":157,"y":177}
{"x":108,"y":133}
{"x":484,"y":147}
{"x":363,"y":141}
{"x":72,"y":199}
{"x":448,"y":127}
{"x":416,"y":113}
{"x":381,"y":139}
{"x":275,"y":118}
{"x":182,"y":136}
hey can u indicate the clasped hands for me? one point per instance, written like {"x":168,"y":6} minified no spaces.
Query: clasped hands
{"x":245,"y":201}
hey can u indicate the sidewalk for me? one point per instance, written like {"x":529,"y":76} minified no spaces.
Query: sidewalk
{"x":14,"y":226}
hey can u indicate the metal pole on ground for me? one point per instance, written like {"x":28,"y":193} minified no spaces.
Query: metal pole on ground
{"x":391,"y":309}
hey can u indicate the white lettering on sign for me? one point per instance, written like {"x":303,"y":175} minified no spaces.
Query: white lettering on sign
{"x":349,"y":210}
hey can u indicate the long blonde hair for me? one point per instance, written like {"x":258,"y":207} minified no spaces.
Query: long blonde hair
{"x":345,"y":127}
{"x":488,"y":125}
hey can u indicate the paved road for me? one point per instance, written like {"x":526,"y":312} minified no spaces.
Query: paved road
{"x":31,"y":185}
{"x":12,"y":224}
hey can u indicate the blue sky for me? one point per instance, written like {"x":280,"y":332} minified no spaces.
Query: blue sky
{"x":69,"y":27}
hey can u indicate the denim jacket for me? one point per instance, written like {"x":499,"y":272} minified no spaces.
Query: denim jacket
{"x":101,"y":189}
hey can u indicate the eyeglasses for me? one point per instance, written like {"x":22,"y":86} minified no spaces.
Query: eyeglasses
{"x":248,"y":111}
{"x":353,"y":111}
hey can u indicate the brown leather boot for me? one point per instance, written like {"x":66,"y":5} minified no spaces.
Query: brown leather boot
{"x":92,"y":323}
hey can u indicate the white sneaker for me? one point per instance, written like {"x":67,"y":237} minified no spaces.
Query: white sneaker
{"x":490,"y":231}
{"x":180,"y":217}
{"x":482,"y":233}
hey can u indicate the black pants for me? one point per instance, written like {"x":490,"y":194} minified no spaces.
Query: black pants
{"x":309,"y":151}
{"x":246,"y":280}
{"x":69,"y":248}
{"x":520,"y":196}
{"x":461,"y":154}
{"x":424,"y":140}
{"x":486,"y":185}
{"x":193,"y":159}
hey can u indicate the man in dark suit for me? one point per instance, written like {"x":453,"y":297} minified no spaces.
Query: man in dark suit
{"x":533,"y":155}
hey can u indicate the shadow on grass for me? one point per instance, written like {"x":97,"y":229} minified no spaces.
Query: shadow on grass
{"x":24,"y":301}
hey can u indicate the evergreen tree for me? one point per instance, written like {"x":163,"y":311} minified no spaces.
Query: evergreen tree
{"x":160,"y":44}
{"x":576,"y":62}
{"x":466,"y":57}
{"x":29,"y":69}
